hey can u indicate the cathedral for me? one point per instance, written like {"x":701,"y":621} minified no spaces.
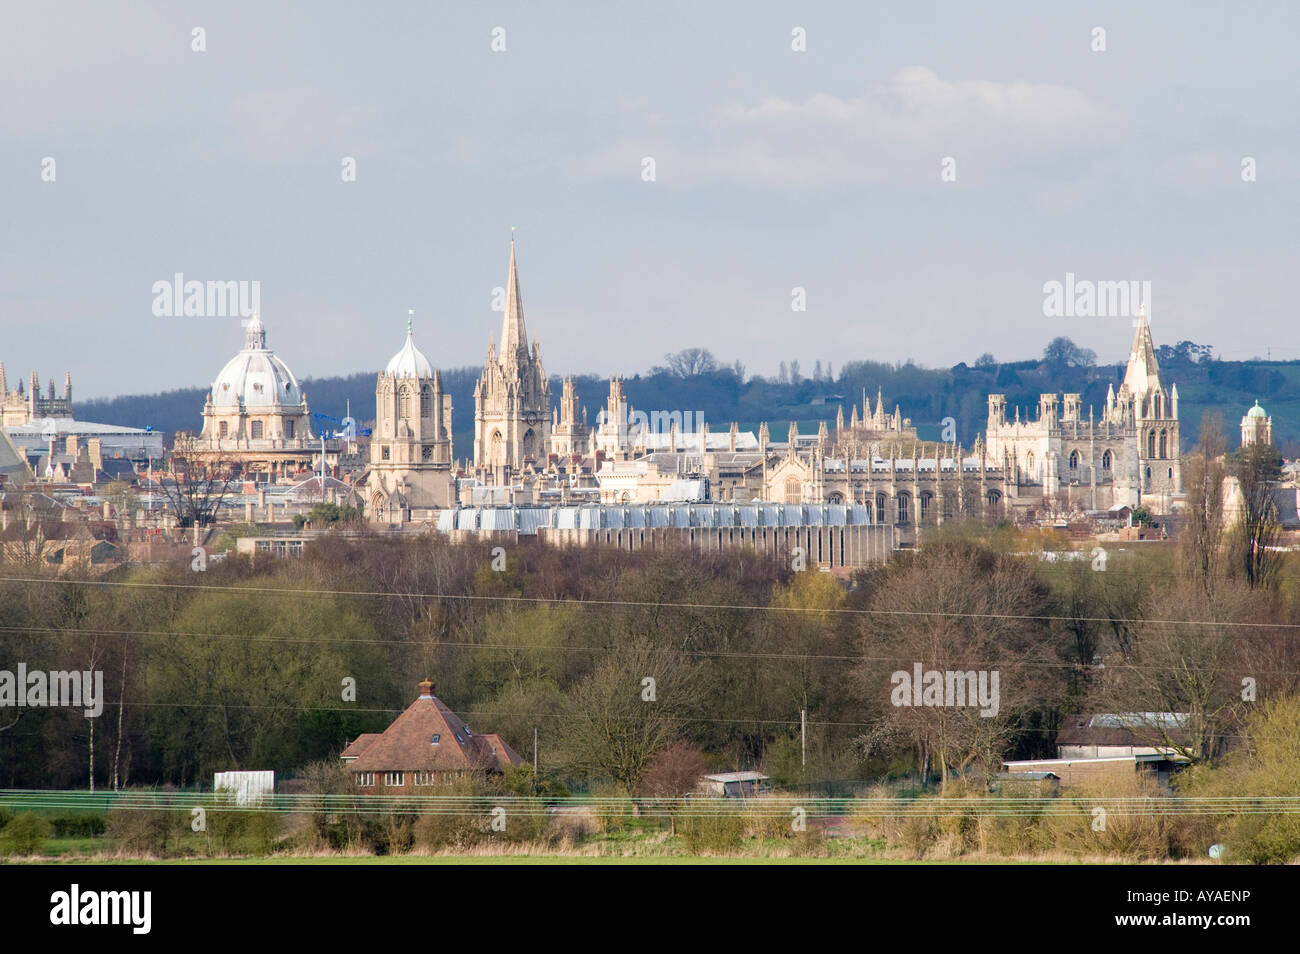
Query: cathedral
{"x":1128,"y":456}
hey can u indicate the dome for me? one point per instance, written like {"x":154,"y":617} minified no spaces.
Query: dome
{"x":1256,"y":411}
{"x":256,"y":377}
{"x":409,"y":362}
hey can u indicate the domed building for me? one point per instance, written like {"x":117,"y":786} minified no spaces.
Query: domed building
{"x":256,"y":417}
{"x":1256,"y":427}
{"x":410,"y":451}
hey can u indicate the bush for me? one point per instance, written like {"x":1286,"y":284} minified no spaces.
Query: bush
{"x":144,"y":832}
{"x":78,"y":826}
{"x":24,"y":835}
{"x":710,"y":831}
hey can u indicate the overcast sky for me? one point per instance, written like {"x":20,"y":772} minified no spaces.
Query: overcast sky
{"x":775,"y":169}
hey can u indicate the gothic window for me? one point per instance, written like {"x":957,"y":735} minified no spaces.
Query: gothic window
{"x":1164,"y":444}
{"x":526,"y":445}
{"x":1171,"y":473}
{"x":835,"y":497}
{"x":404,"y":404}
{"x":1151,"y":443}
{"x":793,"y":491}
{"x":384,"y":454}
{"x":926,"y":499}
{"x":904,"y":506}
{"x":1148,"y":473}
{"x":223,"y":429}
{"x":426,"y":401}
{"x":1105,"y":461}
{"x":1074,"y":460}
{"x":255,"y":430}
{"x":880,"y":508}
{"x":1029,"y":464}
{"x":995,"y":502}
{"x":288,"y":429}
{"x":427,"y":452}
{"x":1160,"y":406}
{"x":496,"y":456}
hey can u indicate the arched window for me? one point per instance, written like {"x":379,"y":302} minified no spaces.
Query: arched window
{"x":223,"y":429}
{"x":404,"y":404}
{"x":1029,"y":464}
{"x":1160,"y":405}
{"x":995,"y":502}
{"x":497,"y":453}
{"x":904,"y":509}
{"x":793,"y":491}
{"x":1148,"y":473}
{"x":880,"y":508}
{"x":1074,"y":460}
{"x":1151,"y":443}
{"x":1106,"y":461}
{"x":426,"y":401}
{"x":526,"y":445}
{"x":288,"y":429}
{"x":255,"y":430}
{"x":1164,"y":444}
{"x":926,"y":499}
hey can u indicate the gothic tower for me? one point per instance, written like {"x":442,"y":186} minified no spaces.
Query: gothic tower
{"x":512,"y":399}
{"x":1155,"y":416}
{"x":410,"y":452}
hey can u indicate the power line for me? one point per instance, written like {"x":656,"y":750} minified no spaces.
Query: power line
{"x":576,"y":601}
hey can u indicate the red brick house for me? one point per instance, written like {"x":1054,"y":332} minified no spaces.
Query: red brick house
{"x":425,"y":745}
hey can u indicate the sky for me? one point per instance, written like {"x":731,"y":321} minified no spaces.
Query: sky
{"x":775,"y":169}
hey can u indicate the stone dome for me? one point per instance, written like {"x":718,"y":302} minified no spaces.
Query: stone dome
{"x":1256,"y":411}
{"x":256,"y":377}
{"x":409,"y":362}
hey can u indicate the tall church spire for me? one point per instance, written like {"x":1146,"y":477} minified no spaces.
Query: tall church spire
{"x":514,"y":336}
{"x":1143,"y":373}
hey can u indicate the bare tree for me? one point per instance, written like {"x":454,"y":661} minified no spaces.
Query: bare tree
{"x":1255,"y":534}
{"x":1200,"y":549}
{"x":198,"y":483}
{"x":691,"y":362}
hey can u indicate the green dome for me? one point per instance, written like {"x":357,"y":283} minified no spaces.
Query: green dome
{"x":1256,"y":411}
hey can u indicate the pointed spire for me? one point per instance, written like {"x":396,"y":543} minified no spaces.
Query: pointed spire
{"x":514,"y":337}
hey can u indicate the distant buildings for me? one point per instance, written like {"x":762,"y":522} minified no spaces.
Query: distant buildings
{"x":1256,"y":427}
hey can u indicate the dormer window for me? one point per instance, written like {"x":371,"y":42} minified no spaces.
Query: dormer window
{"x":437,"y":737}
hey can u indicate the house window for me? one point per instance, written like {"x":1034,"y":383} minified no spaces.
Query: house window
{"x":255,"y":430}
{"x":394,"y":779}
{"x":425,"y":778}
{"x":288,"y":429}
{"x":365,"y":779}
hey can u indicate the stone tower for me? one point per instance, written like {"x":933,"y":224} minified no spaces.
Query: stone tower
{"x":410,"y":452}
{"x":512,"y":399}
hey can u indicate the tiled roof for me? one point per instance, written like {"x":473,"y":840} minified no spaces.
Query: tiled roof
{"x":408,"y":745}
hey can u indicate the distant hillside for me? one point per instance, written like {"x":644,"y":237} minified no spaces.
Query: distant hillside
{"x":926,"y":395}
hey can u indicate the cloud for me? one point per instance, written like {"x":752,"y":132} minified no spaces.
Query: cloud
{"x":898,"y":129}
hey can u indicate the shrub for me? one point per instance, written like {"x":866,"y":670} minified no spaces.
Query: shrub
{"x":708,"y":831}
{"x":86,"y":825}
{"x":24,"y":835}
{"x":144,"y":831}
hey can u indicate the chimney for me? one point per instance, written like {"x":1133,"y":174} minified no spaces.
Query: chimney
{"x":95,"y":448}
{"x":426,"y":689}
